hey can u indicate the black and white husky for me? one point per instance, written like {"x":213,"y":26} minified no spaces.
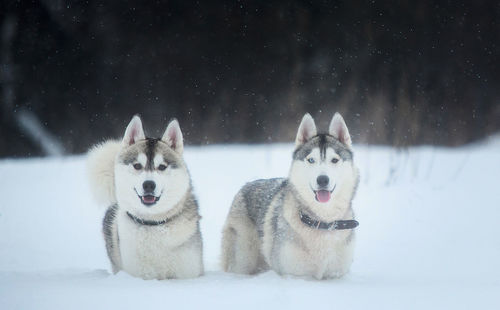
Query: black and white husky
{"x":151,"y":227}
{"x":301,"y":225}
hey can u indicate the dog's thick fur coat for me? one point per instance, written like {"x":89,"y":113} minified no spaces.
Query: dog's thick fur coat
{"x":264,"y":229}
{"x":151,"y":227}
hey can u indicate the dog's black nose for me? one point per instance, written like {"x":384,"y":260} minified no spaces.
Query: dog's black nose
{"x":323,"y":180}
{"x":149,"y":186}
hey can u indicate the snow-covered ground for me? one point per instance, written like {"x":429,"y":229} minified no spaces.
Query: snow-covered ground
{"x":429,"y":235}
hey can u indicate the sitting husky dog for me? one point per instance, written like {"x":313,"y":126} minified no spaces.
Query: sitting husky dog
{"x":151,"y":227}
{"x":301,"y":225}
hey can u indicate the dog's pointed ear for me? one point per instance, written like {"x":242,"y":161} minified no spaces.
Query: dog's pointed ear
{"x":173,"y":136}
{"x":134,"y":131}
{"x":339,"y":130}
{"x":307,"y":130}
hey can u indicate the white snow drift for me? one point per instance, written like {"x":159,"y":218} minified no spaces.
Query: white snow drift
{"x":428,"y":237}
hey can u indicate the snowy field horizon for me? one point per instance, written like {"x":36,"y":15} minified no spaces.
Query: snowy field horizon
{"x":428,"y":237}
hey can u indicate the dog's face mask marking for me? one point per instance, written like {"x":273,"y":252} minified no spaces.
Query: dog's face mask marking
{"x":322,"y":162}
{"x":151,"y":176}
{"x":322,"y":170}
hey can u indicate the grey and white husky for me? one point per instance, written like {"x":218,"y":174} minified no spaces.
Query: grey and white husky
{"x":151,"y":227}
{"x":301,"y":225}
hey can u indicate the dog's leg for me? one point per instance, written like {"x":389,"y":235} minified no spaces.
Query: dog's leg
{"x":188,"y":259}
{"x":240,"y":241}
{"x":341,"y":262}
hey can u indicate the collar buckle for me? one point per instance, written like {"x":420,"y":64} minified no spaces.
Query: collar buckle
{"x":332,"y":226}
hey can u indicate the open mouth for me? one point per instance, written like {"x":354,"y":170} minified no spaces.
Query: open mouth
{"x":323,"y":195}
{"x":148,"y":199}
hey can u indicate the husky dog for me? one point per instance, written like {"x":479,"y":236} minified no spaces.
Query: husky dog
{"x":301,"y":225}
{"x":151,"y":227}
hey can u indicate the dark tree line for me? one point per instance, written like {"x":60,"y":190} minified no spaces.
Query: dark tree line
{"x":402,"y":73}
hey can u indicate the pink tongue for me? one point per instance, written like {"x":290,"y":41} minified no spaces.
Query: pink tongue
{"x":148,"y":199}
{"x":323,"y":196}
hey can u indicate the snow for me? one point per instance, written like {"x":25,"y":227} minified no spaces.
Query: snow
{"x":428,"y":235}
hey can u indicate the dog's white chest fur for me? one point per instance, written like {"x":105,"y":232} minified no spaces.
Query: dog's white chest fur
{"x":310,"y":252}
{"x":156,"y":252}
{"x":321,"y":254}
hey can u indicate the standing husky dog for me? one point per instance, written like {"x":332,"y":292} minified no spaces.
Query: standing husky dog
{"x":301,"y":225}
{"x":151,"y":228}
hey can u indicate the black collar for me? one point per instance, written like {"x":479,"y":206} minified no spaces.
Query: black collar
{"x":335,"y":225}
{"x":147,"y":222}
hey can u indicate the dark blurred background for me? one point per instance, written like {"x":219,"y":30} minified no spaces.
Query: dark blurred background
{"x":401,"y":72}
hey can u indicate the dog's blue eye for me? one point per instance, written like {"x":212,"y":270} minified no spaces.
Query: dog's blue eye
{"x":162,"y":167}
{"x":335,"y":160}
{"x":310,"y":160}
{"x":137,"y":166}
